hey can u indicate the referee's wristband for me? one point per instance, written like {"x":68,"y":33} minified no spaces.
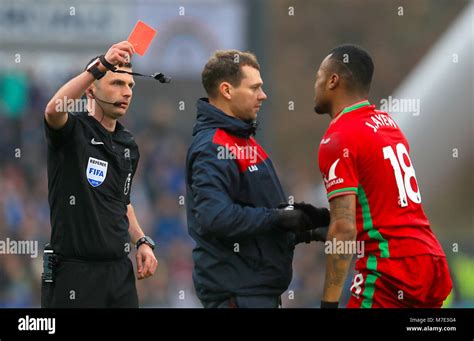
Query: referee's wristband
{"x":106,"y":63}
{"x":329,"y":305}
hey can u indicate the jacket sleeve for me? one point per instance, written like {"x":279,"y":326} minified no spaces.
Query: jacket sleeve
{"x":214,"y":182}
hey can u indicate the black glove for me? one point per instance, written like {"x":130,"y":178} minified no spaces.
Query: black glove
{"x":319,"y":216}
{"x":307,"y":237}
{"x":293,"y":220}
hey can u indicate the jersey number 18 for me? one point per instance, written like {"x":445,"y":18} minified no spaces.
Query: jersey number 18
{"x":403,"y":180}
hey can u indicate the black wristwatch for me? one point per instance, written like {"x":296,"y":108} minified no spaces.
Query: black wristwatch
{"x":94,"y":70}
{"x":146,"y":240}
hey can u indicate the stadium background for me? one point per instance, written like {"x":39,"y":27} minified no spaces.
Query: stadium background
{"x":422,"y":50}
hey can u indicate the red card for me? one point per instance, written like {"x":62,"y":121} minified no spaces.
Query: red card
{"x":141,"y":37}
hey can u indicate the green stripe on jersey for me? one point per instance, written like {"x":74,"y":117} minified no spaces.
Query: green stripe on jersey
{"x":368,"y":225}
{"x":347,"y":189}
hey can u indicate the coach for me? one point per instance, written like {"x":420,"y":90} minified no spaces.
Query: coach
{"x":244,"y":243}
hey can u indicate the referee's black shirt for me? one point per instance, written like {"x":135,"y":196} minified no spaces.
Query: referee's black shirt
{"x":90,"y":172}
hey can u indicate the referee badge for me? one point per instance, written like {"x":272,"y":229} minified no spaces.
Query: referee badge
{"x":96,"y":171}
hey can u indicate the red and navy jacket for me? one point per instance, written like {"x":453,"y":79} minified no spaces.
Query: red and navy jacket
{"x":232,"y":192}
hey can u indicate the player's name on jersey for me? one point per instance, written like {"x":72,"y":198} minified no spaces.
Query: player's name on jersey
{"x":380,"y":120}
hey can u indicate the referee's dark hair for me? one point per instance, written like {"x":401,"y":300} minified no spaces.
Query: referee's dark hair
{"x":355,"y":64}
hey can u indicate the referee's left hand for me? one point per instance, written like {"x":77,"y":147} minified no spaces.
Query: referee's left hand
{"x":146,"y":262}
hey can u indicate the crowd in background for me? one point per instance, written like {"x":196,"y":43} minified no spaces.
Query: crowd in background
{"x":158,"y":188}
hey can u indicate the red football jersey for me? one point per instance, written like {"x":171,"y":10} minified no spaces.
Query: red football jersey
{"x":364,"y":152}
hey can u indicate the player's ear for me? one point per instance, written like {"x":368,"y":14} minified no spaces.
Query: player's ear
{"x":333,"y":81}
{"x":225,"y":89}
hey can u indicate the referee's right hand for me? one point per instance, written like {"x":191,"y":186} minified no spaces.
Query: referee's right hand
{"x":120,"y":53}
{"x":146,"y":262}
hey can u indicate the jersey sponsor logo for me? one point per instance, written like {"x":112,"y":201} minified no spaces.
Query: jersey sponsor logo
{"x":96,"y":171}
{"x":126,"y":187}
{"x":96,"y":143}
{"x":332,"y":178}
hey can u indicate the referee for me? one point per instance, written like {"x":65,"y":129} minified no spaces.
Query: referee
{"x":92,"y":159}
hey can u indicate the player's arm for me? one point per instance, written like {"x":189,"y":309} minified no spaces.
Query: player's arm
{"x":341,"y":228}
{"x":146,"y":261}
{"x":54,"y":113}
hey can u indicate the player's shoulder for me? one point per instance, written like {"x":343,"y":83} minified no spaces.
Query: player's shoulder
{"x":342,"y":130}
{"x":337,"y":140}
{"x":351,"y":129}
{"x":381,"y":114}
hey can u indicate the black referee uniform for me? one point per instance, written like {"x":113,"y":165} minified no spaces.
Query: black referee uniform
{"x":90,"y":172}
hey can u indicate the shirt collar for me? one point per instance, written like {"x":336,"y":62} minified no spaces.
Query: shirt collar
{"x":118,"y":126}
{"x":352,"y":107}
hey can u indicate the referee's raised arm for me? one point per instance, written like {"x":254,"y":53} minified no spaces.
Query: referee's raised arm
{"x":118,"y":54}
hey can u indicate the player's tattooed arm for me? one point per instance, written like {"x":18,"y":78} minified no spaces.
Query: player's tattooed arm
{"x":341,"y":229}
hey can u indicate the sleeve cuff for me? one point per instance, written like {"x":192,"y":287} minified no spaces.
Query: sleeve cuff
{"x":342,"y":191}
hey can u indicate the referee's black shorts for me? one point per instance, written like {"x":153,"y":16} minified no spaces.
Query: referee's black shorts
{"x":86,"y":284}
